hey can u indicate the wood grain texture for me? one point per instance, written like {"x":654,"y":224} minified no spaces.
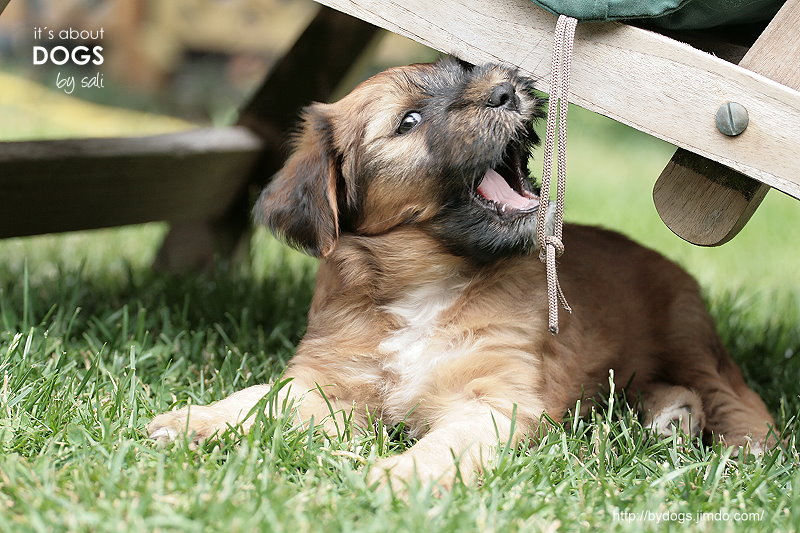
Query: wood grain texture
{"x":776,"y":53}
{"x":50,"y":186}
{"x":648,"y":81}
{"x":704,"y":202}
{"x":707,"y":203}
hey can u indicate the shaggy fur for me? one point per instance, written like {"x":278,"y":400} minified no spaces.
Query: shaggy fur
{"x":430,"y":306}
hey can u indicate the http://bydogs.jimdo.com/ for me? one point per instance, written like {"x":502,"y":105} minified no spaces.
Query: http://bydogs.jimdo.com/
{"x":430,"y":305}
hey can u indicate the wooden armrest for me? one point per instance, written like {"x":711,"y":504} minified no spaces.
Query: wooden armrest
{"x":75,"y":184}
{"x":707,"y":203}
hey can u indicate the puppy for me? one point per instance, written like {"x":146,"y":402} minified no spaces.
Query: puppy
{"x":430,"y":306}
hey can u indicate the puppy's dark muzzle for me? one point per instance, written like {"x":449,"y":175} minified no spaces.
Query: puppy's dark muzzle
{"x":503,"y":96}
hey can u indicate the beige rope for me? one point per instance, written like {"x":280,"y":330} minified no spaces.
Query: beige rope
{"x":551,"y":246}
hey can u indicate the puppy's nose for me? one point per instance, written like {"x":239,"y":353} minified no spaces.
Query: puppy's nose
{"x":502,"y":95}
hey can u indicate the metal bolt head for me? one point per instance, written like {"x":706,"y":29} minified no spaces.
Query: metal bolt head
{"x":732,"y":119}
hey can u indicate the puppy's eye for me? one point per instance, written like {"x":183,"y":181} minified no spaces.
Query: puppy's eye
{"x":409,"y":122}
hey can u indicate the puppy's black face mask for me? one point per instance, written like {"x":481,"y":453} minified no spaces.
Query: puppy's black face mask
{"x":477,"y":123}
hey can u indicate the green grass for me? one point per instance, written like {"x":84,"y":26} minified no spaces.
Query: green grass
{"x":93,"y":344}
{"x":86,"y":360}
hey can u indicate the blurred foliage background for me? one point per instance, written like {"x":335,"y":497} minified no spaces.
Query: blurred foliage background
{"x":178,"y":64}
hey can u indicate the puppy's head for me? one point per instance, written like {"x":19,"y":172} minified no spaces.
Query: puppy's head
{"x":442,"y":146}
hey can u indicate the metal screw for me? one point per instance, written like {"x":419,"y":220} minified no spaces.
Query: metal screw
{"x":732,"y":119}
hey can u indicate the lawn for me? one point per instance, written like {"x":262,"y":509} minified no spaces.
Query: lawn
{"x":93,"y":344}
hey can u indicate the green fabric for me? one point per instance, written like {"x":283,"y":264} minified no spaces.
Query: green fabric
{"x":670,"y":14}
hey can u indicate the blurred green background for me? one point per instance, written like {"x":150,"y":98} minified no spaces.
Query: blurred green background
{"x":175,"y":65}
{"x":612,"y":169}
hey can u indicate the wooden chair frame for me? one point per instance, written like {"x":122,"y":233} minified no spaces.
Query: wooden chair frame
{"x":200,"y":181}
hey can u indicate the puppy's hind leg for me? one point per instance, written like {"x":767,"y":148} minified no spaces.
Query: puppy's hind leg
{"x":736,"y":415}
{"x":667,"y":408}
{"x":697,"y":359}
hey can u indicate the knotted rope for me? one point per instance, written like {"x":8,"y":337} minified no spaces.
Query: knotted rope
{"x":550,"y":246}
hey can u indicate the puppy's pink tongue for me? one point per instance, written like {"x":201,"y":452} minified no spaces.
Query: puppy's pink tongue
{"x":494,"y":187}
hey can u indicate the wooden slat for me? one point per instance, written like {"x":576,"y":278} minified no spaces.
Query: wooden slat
{"x":309,"y":71}
{"x":658,"y":86}
{"x":705,"y":202}
{"x":50,"y":186}
{"x":776,"y":53}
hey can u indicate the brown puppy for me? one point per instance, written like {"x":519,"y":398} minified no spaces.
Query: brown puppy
{"x":430,"y":305}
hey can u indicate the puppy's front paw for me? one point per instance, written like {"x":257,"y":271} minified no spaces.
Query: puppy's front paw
{"x":197,"y":422}
{"x":398,"y":470}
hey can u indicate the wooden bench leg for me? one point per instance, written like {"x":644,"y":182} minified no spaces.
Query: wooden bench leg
{"x":310,"y":71}
{"x":195,"y":245}
{"x":705,"y":202}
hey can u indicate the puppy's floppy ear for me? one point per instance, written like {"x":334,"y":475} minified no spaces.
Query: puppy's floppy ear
{"x":300,"y":204}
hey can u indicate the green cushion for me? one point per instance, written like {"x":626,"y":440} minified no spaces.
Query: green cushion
{"x":670,"y":14}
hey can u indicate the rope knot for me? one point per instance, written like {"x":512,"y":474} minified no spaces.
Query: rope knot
{"x":555,"y":242}
{"x":550,"y":241}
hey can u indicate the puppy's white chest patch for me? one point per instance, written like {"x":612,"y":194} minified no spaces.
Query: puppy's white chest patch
{"x":415,"y":349}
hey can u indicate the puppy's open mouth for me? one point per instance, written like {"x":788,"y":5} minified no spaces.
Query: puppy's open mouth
{"x":504,"y":188}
